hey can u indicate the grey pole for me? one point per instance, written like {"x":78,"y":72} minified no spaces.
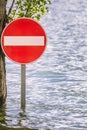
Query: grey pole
{"x":23,"y":87}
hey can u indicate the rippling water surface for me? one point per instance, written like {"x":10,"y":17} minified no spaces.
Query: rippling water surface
{"x":56,"y":90}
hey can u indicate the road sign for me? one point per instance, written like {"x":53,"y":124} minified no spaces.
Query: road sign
{"x":23,"y":40}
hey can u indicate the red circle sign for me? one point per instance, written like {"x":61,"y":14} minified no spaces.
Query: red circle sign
{"x":23,"y":40}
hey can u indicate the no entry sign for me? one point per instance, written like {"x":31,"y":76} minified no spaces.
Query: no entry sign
{"x":23,"y":40}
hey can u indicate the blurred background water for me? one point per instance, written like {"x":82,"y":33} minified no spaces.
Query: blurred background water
{"x":56,"y":90}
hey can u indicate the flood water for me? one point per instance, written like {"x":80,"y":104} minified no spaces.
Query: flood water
{"x":56,"y":84}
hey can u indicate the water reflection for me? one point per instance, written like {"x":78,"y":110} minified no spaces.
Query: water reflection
{"x":22,"y":117}
{"x":2,"y":114}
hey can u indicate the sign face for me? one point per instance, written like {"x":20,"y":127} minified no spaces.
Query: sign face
{"x":23,"y":40}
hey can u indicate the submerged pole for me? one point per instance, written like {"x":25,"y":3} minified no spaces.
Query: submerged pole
{"x":23,"y":87}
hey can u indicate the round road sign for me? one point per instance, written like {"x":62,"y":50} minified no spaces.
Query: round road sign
{"x":23,"y":40}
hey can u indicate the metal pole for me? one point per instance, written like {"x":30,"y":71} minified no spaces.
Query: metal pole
{"x":23,"y":87}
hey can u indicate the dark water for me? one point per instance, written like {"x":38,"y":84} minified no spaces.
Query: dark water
{"x":56,"y":83}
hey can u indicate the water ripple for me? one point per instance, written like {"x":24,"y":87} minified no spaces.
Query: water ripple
{"x":56,"y":97}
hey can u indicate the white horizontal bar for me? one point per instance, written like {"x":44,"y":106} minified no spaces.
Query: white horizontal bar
{"x":23,"y":40}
